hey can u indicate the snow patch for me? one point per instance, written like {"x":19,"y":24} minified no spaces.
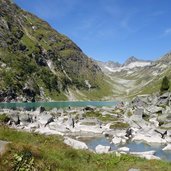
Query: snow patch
{"x":130,"y":66}
{"x":138,"y":64}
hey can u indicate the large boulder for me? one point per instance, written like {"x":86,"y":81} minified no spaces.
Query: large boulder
{"x":40,"y":109}
{"x":152,"y":152}
{"x":149,"y":155}
{"x":163,"y":102}
{"x":125,"y":149}
{"x":154,"y":100}
{"x":43,"y":118}
{"x":102,"y":149}
{"x":162,"y":118}
{"x":150,"y":138}
{"x":116,"y":140}
{"x":132,"y":169}
{"x":139,"y":101}
{"x":75,"y":143}
{"x":89,"y":108}
{"x":154,"y":121}
{"x":167,"y":112}
{"x":154,"y":109}
{"x":167,"y":148}
{"x":139,"y":112}
{"x":165,"y":95}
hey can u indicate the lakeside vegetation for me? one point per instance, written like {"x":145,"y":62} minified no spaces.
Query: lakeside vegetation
{"x":30,"y":151}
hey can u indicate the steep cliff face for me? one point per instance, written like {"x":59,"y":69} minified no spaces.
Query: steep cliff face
{"x":38,"y":61}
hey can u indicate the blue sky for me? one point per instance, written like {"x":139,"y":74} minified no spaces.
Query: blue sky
{"x":110,"y":29}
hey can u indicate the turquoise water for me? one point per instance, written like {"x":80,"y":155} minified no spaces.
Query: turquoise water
{"x":133,"y":146}
{"x":60,"y":104}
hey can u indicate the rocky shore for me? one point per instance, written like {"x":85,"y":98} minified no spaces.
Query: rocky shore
{"x":144,"y":119}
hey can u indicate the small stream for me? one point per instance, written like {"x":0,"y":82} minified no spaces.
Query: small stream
{"x":133,"y":146}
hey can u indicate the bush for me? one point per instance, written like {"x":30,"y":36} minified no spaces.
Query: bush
{"x":4,"y":118}
{"x":23,"y":161}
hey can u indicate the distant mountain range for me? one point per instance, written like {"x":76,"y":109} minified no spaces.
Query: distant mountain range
{"x":130,"y":63}
{"x":136,"y":76}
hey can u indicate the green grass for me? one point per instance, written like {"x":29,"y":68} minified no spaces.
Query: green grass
{"x":168,"y":128}
{"x":118,"y":111}
{"x":39,"y":152}
{"x":4,"y":118}
{"x":107,"y":118}
{"x":28,"y":42}
{"x":129,"y":113}
{"x":54,"y":95}
{"x":119,"y":125}
{"x":101,"y":117}
{"x":104,"y":90}
{"x":155,"y":85}
{"x":88,"y":123}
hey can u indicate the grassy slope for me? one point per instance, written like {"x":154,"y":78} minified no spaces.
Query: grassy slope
{"x":44,"y":43}
{"x":50,"y":153}
{"x":155,"y":85}
{"x":143,"y":82}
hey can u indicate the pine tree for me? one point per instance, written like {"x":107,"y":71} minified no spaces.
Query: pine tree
{"x":165,"y":84}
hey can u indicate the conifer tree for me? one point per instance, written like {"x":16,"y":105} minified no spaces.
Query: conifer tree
{"x":165,"y":84}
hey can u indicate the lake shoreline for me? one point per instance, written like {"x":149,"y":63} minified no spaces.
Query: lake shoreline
{"x":112,"y":123}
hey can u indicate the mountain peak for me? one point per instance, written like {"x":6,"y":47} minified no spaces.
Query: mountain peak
{"x":130,"y":60}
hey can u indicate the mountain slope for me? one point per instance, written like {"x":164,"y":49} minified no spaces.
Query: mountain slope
{"x":137,"y":77}
{"x":38,"y":62}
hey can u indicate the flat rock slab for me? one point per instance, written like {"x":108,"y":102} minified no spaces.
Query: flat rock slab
{"x":132,"y":169}
{"x":2,"y":146}
{"x":75,"y":144}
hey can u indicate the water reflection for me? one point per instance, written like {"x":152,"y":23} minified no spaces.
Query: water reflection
{"x":133,"y":146}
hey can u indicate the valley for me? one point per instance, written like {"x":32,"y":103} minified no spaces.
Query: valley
{"x":62,"y":110}
{"x":137,"y":77}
